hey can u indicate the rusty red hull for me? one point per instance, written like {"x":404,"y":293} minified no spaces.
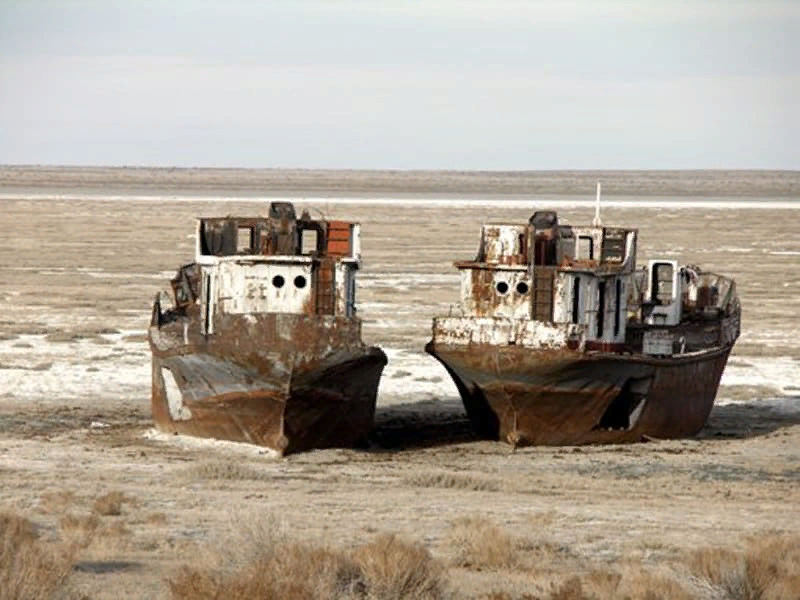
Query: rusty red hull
{"x":560,"y":397}
{"x":287,"y":382}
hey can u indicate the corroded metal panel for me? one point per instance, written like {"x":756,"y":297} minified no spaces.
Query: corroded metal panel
{"x":586,"y":362}
{"x":262,"y":345}
{"x":526,"y":333}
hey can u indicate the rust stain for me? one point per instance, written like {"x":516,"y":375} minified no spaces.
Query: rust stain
{"x":272,"y":362}
{"x":606,"y":352}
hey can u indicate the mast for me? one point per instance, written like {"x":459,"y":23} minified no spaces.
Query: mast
{"x":597,"y":222}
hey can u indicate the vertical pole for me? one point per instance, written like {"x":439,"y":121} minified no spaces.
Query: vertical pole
{"x":597,"y":222}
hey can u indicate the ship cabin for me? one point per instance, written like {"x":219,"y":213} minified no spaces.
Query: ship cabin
{"x":274,"y":264}
{"x":545,"y":284}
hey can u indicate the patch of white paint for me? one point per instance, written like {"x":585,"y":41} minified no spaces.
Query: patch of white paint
{"x":177,"y":410}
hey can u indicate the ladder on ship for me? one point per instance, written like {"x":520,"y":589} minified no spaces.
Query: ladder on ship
{"x":326,"y":287}
{"x":542,"y":279}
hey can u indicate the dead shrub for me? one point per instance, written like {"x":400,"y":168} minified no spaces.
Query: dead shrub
{"x":57,"y":502}
{"x":273,"y":567}
{"x":226,"y":471}
{"x":452,"y":481}
{"x":110,"y":504}
{"x":571,"y":589}
{"x":156,"y":518}
{"x":29,"y":569}
{"x":78,"y":530}
{"x":768,"y":568}
{"x":288,"y":571}
{"x":480,"y":544}
{"x":394,"y":569}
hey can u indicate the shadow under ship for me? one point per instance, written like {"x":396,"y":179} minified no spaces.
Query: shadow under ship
{"x":262,"y":344}
{"x":563,"y":341}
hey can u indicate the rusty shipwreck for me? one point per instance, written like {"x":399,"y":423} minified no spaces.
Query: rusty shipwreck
{"x":561,"y":339}
{"x":262,"y":344}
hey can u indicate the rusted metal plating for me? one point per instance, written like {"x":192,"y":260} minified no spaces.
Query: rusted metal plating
{"x":562,"y":340}
{"x":262,"y":344}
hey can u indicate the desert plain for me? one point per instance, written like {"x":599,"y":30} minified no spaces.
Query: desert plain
{"x":119,"y":510}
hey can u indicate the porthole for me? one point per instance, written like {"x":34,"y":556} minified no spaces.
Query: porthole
{"x":522,"y":287}
{"x":502,"y":287}
{"x":278,"y":281}
{"x":300,"y":282}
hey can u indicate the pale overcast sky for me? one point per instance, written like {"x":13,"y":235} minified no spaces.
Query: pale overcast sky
{"x":431,"y":84}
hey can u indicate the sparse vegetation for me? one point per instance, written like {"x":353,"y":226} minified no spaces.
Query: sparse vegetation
{"x":387,"y":568}
{"x":480,"y":544}
{"x":226,"y":471}
{"x":29,"y":568}
{"x":110,"y":504}
{"x":452,"y":481}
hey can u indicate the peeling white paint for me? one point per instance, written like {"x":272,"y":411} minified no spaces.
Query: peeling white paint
{"x":177,"y":410}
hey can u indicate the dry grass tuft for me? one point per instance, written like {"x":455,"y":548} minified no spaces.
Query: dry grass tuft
{"x":29,"y":569}
{"x":480,"y":544}
{"x":388,"y":568}
{"x":57,"y":502}
{"x":394,"y":569}
{"x":452,"y":481}
{"x":767,"y":569}
{"x":156,"y":518}
{"x":226,"y":471}
{"x":78,"y":530}
{"x":110,"y":504}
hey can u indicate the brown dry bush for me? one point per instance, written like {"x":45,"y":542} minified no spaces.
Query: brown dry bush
{"x":768,"y":568}
{"x":226,"y":471}
{"x":29,"y":569}
{"x":452,"y":481}
{"x":156,"y":518}
{"x":110,"y":504}
{"x":57,"y":502}
{"x":480,"y":544}
{"x":394,"y":569}
{"x":387,"y":568}
{"x":78,"y":530}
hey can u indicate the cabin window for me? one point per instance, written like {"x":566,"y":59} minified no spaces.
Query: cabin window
{"x":278,"y":281}
{"x":244,"y":240}
{"x":300,"y":282}
{"x":502,"y":287}
{"x":661,"y":283}
{"x":208,"y":312}
{"x":308,"y":242}
{"x":576,"y":298}
{"x":601,"y":307}
{"x":522,"y":288}
{"x":617,"y":307}
{"x":585,"y":247}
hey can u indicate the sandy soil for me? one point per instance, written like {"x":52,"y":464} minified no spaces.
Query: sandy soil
{"x":76,"y":281}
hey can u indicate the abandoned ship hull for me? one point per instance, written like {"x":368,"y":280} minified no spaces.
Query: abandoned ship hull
{"x":559,"y":397}
{"x":330,"y":405}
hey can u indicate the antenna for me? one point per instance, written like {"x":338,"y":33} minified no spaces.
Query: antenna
{"x":597,"y":222}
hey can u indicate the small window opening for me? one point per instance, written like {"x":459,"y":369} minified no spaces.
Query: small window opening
{"x":585,"y":247}
{"x":300,"y":282}
{"x":617,"y":307}
{"x":502,"y":287}
{"x":661,"y":283}
{"x":623,"y":410}
{"x":576,"y":298}
{"x":308,"y":242}
{"x":244,"y":240}
{"x":522,"y":288}
{"x":278,"y":281}
{"x":601,"y":307}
